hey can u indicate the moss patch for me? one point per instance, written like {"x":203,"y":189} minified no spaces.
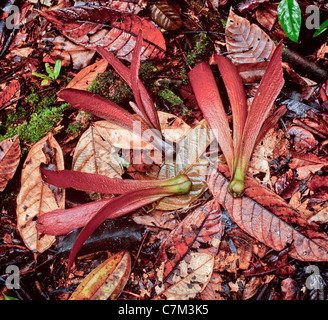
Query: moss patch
{"x":42,"y":115}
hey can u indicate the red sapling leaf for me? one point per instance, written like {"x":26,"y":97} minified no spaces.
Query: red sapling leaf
{"x":126,"y":203}
{"x":237,"y":98}
{"x":209,"y":100}
{"x":98,"y":183}
{"x":270,"y":86}
{"x":62,"y":221}
{"x":125,"y":73}
{"x":110,"y":111}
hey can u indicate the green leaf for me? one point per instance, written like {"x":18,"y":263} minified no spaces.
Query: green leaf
{"x":57,"y":69}
{"x":8,"y":297}
{"x":45,"y":82}
{"x":49,"y":70}
{"x":41,"y":75}
{"x":290,"y":17}
{"x":323,"y":27}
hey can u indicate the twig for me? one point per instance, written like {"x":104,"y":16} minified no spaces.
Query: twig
{"x":313,"y":71}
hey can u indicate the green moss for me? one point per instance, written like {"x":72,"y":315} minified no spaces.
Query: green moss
{"x":32,"y":126}
{"x":147,"y":69}
{"x":174,"y":101}
{"x":111,"y":87}
{"x":199,"y":50}
{"x":74,"y":128}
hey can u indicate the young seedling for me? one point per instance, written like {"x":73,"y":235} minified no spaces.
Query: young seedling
{"x":133,"y":194}
{"x":53,"y":73}
{"x":149,"y":127}
{"x":247,"y":126}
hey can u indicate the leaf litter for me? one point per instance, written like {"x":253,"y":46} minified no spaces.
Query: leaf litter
{"x":201,"y":245}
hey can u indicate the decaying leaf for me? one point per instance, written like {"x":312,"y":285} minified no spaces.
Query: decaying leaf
{"x":107,"y":280}
{"x":188,"y":161}
{"x":130,"y":6}
{"x":35,"y":197}
{"x":8,"y":93}
{"x":192,"y":278}
{"x":68,"y":52}
{"x":303,"y":139}
{"x":94,"y":154}
{"x":268,"y":218}
{"x":94,"y":26}
{"x":173,"y":128}
{"x":246,"y":42}
{"x":201,"y":226}
{"x":9,"y":159}
{"x":85,"y":77}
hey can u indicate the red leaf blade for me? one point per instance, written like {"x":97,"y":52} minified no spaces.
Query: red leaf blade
{"x":124,"y":204}
{"x":237,"y":97}
{"x":209,"y":100}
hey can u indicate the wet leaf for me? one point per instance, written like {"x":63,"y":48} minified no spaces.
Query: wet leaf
{"x":188,"y":161}
{"x":290,"y":17}
{"x":94,"y":154}
{"x":289,"y":289}
{"x":85,"y":77}
{"x":131,"y":6}
{"x":35,"y":197}
{"x":8,"y":93}
{"x":107,"y":280}
{"x":304,"y":140}
{"x":165,"y":15}
{"x":117,"y":234}
{"x":266,"y":15}
{"x":246,"y":42}
{"x":94,"y":26}
{"x":192,"y":278}
{"x":269,"y":219}
{"x":9,"y":159}
{"x":202,"y":226}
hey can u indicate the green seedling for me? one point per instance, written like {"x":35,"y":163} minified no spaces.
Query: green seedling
{"x":53,"y":73}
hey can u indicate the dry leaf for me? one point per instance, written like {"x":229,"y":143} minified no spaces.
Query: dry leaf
{"x":94,"y":154}
{"x":246,"y":42}
{"x":192,"y":278}
{"x":9,"y":159}
{"x":188,"y":161}
{"x":107,"y":280}
{"x":202,"y":226}
{"x":35,"y":197}
{"x":69,"y":52}
{"x":173,"y":128}
{"x":85,"y":77}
